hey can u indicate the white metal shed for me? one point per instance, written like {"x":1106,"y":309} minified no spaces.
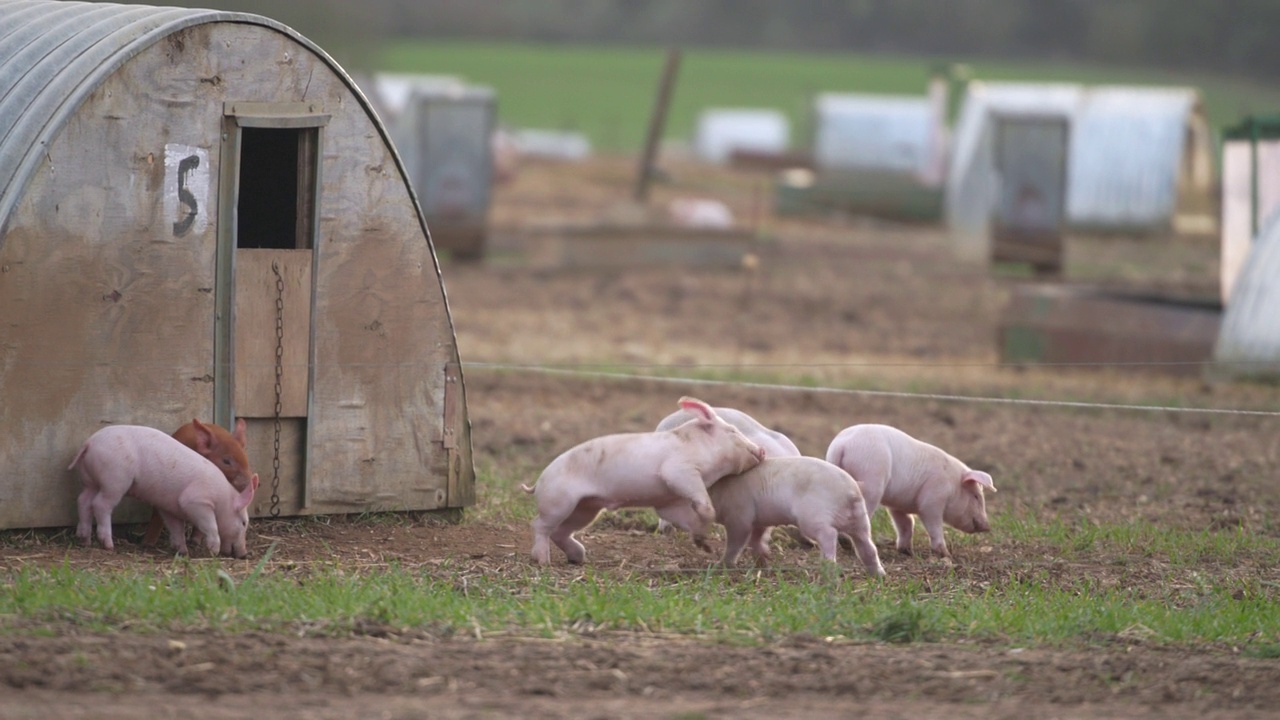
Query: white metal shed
{"x":721,"y":131}
{"x":1249,"y":339}
{"x":1135,"y":153}
{"x":868,"y":134}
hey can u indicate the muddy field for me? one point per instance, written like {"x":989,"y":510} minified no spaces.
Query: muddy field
{"x":832,"y":300}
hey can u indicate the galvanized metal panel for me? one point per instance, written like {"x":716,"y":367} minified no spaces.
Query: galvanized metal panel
{"x":972,"y":186}
{"x":1131,"y":147}
{"x":1031,"y":161}
{"x":454,"y":172}
{"x":1127,"y":152}
{"x":1249,"y":342}
{"x":1238,"y":202}
{"x":721,"y":131}
{"x":884,"y":133}
{"x":55,"y":55}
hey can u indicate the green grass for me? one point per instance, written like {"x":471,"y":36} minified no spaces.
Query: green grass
{"x":739,"y":607}
{"x":1160,"y":585}
{"x":608,"y":93}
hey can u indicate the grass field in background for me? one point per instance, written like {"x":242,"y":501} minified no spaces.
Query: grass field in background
{"x":608,"y":93}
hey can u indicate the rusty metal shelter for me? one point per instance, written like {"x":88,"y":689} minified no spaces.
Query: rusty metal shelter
{"x":202,"y":216}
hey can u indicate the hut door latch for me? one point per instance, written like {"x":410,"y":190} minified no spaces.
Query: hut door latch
{"x":275,"y":455}
{"x":451,"y":390}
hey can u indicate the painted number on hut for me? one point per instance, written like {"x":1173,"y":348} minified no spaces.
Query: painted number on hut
{"x":186,"y":188}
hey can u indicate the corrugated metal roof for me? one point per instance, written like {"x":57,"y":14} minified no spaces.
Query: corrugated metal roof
{"x":893,"y":133}
{"x":53,"y":54}
{"x":1126,"y":146}
{"x":1250,"y":332}
{"x":721,"y":131}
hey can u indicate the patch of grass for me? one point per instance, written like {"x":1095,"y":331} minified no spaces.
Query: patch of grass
{"x":907,"y":623}
{"x":1029,"y":603}
{"x":504,"y":501}
{"x":1265,"y":651}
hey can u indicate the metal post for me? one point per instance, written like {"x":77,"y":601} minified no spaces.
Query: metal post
{"x":656,"y":123}
{"x":1253,"y":176}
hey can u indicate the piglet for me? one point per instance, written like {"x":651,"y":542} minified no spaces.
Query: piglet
{"x":908,"y":476}
{"x":774,"y":443}
{"x":668,"y":470}
{"x":222,"y":448}
{"x":146,"y":463}
{"x":812,"y":494}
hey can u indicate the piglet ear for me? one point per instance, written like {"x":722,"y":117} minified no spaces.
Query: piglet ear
{"x":245,"y":498}
{"x":204,"y":437}
{"x":239,"y":433}
{"x":697,"y":407}
{"x":977,"y":476}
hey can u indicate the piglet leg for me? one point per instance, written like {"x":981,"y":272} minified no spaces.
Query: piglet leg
{"x":859,"y":531}
{"x":563,"y":537}
{"x":736,"y":537}
{"x":682,"y":515}
{"x":84,"y":503}
{"x":937,"y":540}
{"x":904,"y":524}
{"x":177,"y":532}
{"x":759,"y":544}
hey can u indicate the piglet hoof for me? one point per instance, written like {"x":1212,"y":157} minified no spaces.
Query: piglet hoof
{"x":905,"y":551}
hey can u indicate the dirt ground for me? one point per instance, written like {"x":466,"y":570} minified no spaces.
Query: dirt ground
{"x":833,"y":300}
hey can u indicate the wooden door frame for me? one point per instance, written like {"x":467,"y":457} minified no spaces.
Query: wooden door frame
{"x":235,"y":116}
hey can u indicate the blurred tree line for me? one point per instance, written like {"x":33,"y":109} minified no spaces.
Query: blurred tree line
{"x":1228,"y":36}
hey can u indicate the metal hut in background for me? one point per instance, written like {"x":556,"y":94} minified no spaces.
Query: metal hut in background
{"x":443,"y":128}
{"x":1250,"y":191}
{"x":1249,"y":339}
{"x":881,"y":155}
{"x":201,"y":216}
{"x":1032,"y":162}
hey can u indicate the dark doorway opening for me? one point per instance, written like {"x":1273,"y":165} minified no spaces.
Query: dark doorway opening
{"x":277,"y":188}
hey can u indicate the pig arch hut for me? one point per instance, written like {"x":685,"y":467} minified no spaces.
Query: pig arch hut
{"x":201,"y":216}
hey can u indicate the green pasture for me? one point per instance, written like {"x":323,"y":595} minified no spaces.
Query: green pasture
{"x":608,"y":93}
{"x":1174,"y":587}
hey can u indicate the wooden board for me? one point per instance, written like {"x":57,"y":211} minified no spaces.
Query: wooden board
{"x":261,"y":450}
{"x":1051,"y":323}
{"x":256,"y":332}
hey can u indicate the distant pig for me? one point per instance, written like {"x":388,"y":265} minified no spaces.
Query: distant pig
{"x":222,"y":448}
{"x":812,"y":494}
{"x":774,"y":443}
{"x":147,"y":464}
{"x":908,"y":476}
{"x":669,"y":470}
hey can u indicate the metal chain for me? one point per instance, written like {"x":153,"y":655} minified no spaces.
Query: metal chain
{"x":275,"y":458}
